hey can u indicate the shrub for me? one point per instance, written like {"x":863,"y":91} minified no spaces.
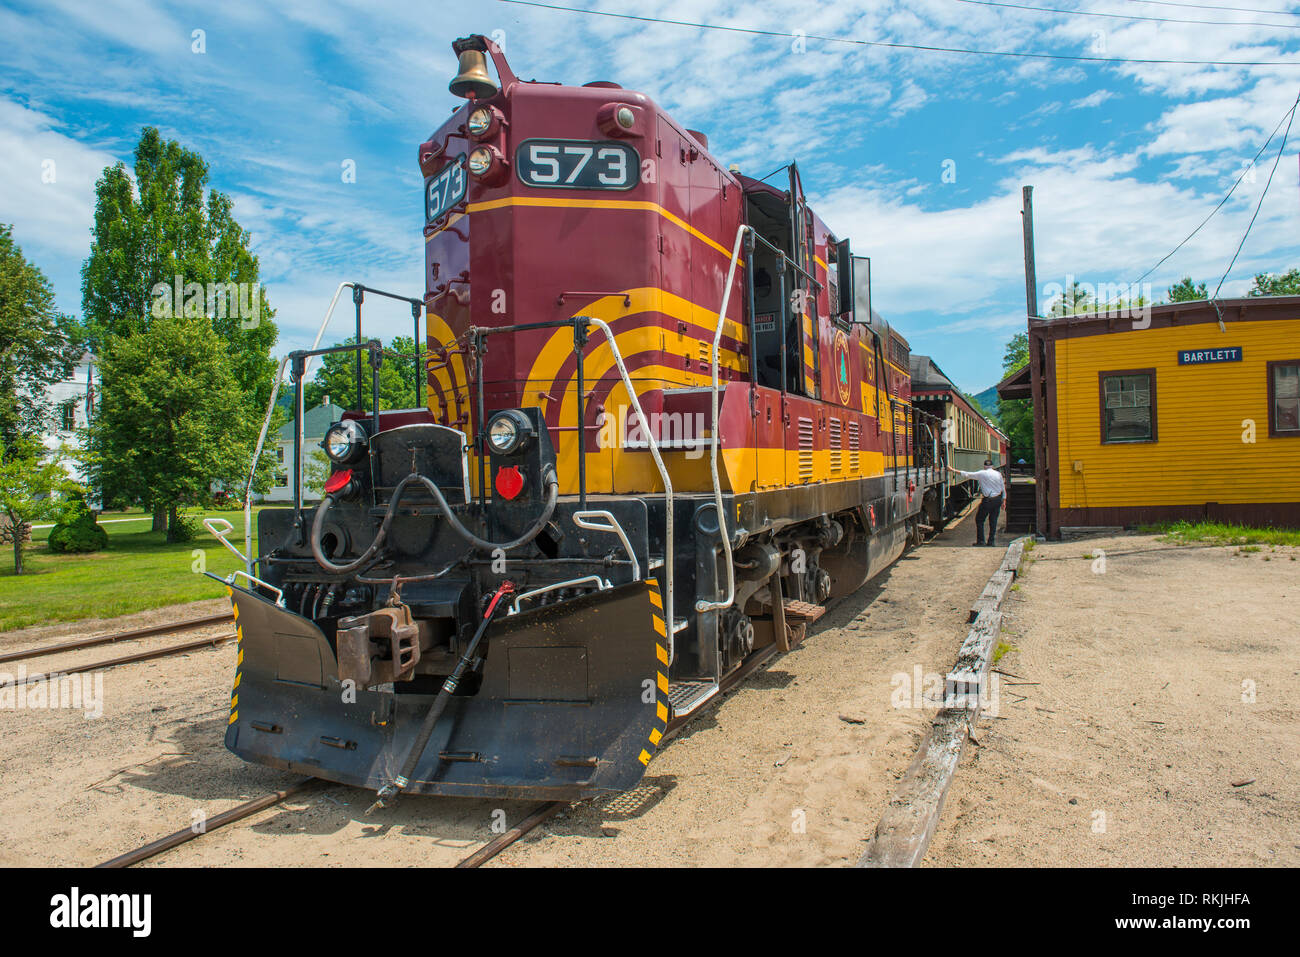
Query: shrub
{"x":81,"y":534}
{"x":182,"y":529}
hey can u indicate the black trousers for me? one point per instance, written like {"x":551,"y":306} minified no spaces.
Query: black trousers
{"x":989,"y":508}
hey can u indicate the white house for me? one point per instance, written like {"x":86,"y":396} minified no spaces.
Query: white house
{"x":73,"y":401}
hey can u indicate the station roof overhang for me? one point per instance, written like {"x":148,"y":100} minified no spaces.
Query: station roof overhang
{"x":1016,"y":385}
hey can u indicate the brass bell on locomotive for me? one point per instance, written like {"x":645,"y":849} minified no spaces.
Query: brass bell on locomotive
{"x":473,"y":82}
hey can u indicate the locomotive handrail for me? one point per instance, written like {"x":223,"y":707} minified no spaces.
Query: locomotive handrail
{"x":257,"y":454}
{"x":669,"y":630}
{"x":715,"y":439}
{"x":214,"y":525}
{"x":279,"y":593}
{"x":266,"y":424}
{"x":600,"y":583}
{"x":584,"y":520}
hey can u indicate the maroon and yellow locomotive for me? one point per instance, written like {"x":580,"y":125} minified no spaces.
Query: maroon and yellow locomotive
{"x":663,"y":428}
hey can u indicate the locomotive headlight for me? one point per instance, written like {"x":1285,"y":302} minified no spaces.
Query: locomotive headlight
{"x":479,"y":122}
{"x":508,"y":432}
{"x":624,"y":117}
{"x":480,"y":161}
{"x":344,"y":442}
{"x":487,"y":165}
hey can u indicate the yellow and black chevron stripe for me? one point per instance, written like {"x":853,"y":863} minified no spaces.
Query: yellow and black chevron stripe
{"x":239,"y":657}
{"x":661,"y":672}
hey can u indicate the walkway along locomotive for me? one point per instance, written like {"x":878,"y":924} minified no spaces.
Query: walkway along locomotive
{"x":663,"y":428}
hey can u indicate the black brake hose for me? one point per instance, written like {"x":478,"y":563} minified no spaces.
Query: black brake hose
{"x":552,"y":496}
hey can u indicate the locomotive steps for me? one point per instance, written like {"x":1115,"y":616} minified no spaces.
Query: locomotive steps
{"x":903,"y":835}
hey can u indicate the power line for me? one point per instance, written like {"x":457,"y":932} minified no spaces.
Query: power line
{"x":1258,"y":206}
{"x":1213,"y":6}
{"x":1289,"y":114}
{"x":1123,"y":16}
{"x":902,"y":46}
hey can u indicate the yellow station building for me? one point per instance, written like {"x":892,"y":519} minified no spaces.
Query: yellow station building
{"x":1189,"y":411}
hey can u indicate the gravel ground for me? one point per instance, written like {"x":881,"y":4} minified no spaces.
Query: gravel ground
{"x":1137,"y":693}
{"x":1148,"y":683}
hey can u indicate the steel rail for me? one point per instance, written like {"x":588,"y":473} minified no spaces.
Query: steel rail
{"x":154,"y":848}
{"x":492,"y":848}
{"x":119,"y":636}
{"x":128,"y":659}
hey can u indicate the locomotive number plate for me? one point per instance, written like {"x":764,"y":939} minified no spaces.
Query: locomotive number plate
{"x":445,"y":190}
{"x":577,"y":164}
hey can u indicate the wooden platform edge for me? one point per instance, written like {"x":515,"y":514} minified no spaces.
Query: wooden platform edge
{"x":903,"y":835}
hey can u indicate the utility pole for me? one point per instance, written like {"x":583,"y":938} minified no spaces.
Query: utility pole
{"x":1037,"y":372}
{"x":1031,"y":278}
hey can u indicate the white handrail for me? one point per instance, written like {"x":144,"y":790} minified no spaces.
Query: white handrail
{"x":213,"y":525}
{"x":279,"y":593}
{"x":663,"y":473}
{"x":600,"y":583}
{"x":266,"y":424}
{"x":716,"y":440}
{"x":584,"y":520}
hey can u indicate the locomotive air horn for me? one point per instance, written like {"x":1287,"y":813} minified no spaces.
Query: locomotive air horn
{"x":473,"y":81}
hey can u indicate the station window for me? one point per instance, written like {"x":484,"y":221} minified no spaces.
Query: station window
{"x":1284,"y":398}
{"x":68,"y":415}
{"x":1128,"y":406}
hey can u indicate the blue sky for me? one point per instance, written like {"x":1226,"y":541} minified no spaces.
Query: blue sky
{"x":1125,"y":159}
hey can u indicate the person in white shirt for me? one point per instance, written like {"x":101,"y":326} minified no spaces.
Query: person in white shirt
{"x":992,"y":488}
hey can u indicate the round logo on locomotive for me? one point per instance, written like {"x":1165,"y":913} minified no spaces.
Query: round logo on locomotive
{"x":841,"y":353}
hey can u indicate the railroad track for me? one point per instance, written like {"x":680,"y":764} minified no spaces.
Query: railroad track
{"x":540,"y":814}
{"x":132,"y":635}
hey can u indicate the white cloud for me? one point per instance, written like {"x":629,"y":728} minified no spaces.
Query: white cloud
{"x":47,"y":191}
{"x":1095,"y":98}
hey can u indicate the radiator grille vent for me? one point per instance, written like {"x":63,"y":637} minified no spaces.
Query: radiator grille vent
{"x":805,"y":449}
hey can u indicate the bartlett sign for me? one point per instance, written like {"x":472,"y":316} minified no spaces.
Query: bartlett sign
{"x":1196,"y":357}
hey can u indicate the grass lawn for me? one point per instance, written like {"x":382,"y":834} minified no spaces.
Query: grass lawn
{"x":137,"y":571}
{"x":1218,"y":533}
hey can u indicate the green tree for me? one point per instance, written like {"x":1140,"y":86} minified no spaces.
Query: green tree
{"x":33,"y":487}
{"x":38,"y":345}
{"x":167,"y":246}
{"x":1016,"y":416}
{"x":1285,"y":284}
{"x":171,"y":420}
{"x":1187,"y":291}
{"x":1073,"y":302}
{"x":336,"y":377}
{"x":1016,"y":354}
